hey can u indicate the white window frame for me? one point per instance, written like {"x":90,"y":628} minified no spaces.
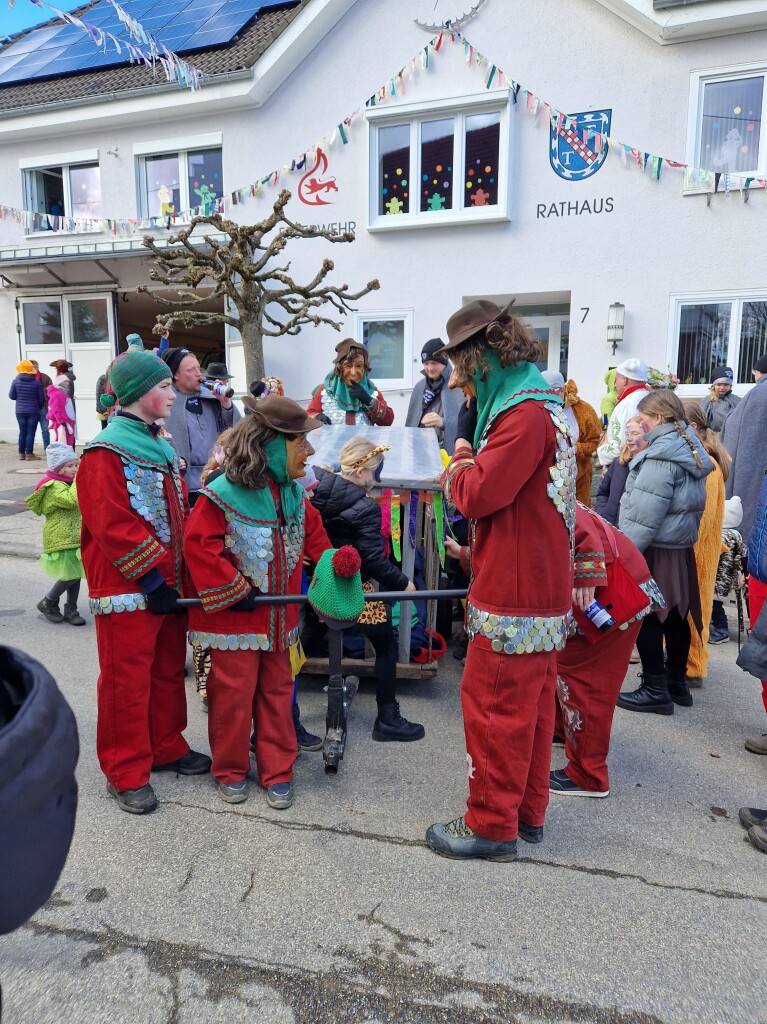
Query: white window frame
{"x":736,"y":300}
{"x":406,"y":315}
{"x":66,"y":161}
{"x":698,"y":81}
{"x":415,"y":113}
{"x":179,"y":147}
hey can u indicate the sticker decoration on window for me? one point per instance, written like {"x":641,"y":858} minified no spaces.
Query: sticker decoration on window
{"x":312,"y":186}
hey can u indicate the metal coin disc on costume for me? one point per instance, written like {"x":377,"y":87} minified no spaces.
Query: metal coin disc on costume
{"x":293,"y":540}
{"x":337,"y":415}
{"x":563,"y":473}
{"x":117,"y":603}
{"x":237,"y":641}
{"x":253,"y":550}
{"x":146,"y":493}
{"x":518,"y":634}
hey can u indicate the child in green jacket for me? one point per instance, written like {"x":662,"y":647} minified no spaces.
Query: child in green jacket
{"x":55,"y":497}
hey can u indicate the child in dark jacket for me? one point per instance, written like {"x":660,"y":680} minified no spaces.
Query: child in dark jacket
{"x":351,"y":516}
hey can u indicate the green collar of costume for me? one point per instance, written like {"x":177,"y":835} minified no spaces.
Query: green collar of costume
{"x":505,"y":387}
{"x":336,"y":387}
{"x":132,"y":439}
{"x":258,"y":505}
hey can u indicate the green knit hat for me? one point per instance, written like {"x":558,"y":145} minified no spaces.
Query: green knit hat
{"x":134,"y":373}
{"x":336,"y":592}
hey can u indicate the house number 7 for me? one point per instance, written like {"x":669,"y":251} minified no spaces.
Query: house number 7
{"x":585,"y":311}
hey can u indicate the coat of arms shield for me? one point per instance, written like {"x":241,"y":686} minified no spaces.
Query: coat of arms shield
{"x":574,"y":151}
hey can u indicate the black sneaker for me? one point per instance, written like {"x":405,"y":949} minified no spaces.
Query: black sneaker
{"x":280,"y":795}
{"x":233,"y":792}
{"x":192,"y":763}
{"x":758,"y":837}
{"x":134,"y":801}
{"x":562,"y":784}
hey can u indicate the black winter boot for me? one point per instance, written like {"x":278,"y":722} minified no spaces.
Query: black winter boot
{"x":652,"y":696}
{"x":72,"y":616}
{"x":390,"y":725}
{"x":680,"y":693}
{"x":306,"y":740}
{"x":50,"y":610}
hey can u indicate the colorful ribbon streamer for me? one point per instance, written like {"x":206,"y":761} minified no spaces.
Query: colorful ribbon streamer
{"x":396,"y":527}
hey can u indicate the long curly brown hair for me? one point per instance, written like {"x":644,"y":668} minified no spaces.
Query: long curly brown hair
{"x":245,"y":458}
{"x":508,"y":336}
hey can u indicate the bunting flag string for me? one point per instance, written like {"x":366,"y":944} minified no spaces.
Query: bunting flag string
{"x":695,"y":178}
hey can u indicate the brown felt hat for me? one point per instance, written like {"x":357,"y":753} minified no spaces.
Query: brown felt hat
{"x":472,"y":318}
{"x":283,"y":415}
{"x":343,"y":348}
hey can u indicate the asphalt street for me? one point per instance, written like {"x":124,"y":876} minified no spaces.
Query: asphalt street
{"x":649,"y":907}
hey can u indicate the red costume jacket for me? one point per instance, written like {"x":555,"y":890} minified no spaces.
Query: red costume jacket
{"x":521,"y":557}
{"x":133,"y":521}
{"x":224,"y":550}
{"x":379,"y":414}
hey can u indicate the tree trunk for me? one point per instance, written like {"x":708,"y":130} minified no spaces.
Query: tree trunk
{"x":253,"y":348}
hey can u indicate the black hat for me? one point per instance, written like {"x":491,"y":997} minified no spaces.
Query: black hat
{"x":761,"y":365}
{"x":432,"y":351}
{"x":173,"y":357}
{"x":217,"y":371}
{"x":721,"y":375}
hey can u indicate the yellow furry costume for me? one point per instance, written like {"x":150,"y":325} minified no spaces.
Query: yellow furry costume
{"x":707,"y":549}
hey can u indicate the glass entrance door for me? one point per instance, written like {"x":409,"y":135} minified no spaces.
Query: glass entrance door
{"x":553,"y":332}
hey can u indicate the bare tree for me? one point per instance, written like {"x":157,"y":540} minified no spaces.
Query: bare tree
{"x":261,"y":299}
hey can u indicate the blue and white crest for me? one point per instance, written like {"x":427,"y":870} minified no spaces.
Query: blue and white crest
{"x":572,"y":156}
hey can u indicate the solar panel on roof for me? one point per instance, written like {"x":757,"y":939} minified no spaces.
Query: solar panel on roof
{"x":180,"y":25}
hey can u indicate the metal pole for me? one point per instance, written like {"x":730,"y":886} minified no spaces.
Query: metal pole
{"x":395,"y":595}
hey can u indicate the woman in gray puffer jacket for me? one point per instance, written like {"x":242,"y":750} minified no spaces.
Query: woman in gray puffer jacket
{"x":660,"y":512}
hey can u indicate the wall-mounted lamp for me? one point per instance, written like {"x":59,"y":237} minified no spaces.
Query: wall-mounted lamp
{"x":615,"y":315}
{"x":115,"y":151}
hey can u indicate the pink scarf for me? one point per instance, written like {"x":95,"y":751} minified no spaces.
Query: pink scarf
{"x":52,"y":475}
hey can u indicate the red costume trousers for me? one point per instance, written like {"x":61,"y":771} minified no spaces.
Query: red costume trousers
{"x":141,"y":695}
{"x":245,"y":687}
{"x":590,"y":679}
{"x":508,"y":719}
{"x":757,"y":595}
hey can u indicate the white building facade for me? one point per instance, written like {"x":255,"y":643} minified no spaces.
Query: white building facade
{"x":458,"y":182}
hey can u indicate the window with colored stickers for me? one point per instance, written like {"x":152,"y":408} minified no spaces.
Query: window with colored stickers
{"x":440,"y":165}
{"x":482,"y":139}
{"x":394,"y":169}
{"x":172,"y":184}
{"x":437,"y":141}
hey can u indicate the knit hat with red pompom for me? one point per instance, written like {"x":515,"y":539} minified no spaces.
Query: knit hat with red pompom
{"x":336,"y":592}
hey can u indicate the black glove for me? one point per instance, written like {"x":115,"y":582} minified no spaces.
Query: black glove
{"x":245,"y":604}
{"x":357,"y":391}
{"x":467,"y":421}
{"x":322,"y":418}
{"x":164,"y":601}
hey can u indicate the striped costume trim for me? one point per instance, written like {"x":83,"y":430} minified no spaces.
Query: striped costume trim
{"x":141,"y":559}
{"x":217,"y":598}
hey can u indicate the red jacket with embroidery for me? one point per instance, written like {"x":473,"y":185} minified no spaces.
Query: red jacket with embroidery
{"x":379,"y":413}
{"x":593,"y":552}
{"x":520,"y":554}
{"x":118,"y":545}
{"x":220,"y":583}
